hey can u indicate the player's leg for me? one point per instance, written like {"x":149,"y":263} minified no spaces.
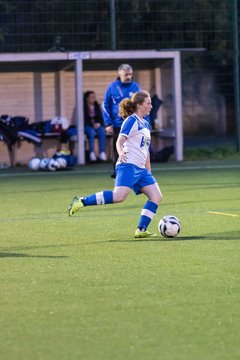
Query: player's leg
{"x":153,"y":193}
{"x":123,"y":185}
{"x":104,"y":197}
{"x":149,"y":210}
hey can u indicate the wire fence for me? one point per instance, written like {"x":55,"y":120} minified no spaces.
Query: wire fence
{"x":31,"y":25}
{"x":80,"y":25}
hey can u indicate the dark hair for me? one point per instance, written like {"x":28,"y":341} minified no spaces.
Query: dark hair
{"x":87,"y":94}
{"x":128,"y":106}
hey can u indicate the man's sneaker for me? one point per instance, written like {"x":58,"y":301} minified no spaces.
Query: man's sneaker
{"x":144,"y":234}
{"x":75,"y":205}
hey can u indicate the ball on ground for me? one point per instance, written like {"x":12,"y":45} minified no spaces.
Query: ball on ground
{"x":34,"y":164}
{"x":169,"y":226}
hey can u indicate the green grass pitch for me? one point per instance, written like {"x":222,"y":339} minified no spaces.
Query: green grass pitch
{"x":84,"y":288}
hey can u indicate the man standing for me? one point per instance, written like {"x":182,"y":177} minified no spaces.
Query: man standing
{"x":123,"y":87}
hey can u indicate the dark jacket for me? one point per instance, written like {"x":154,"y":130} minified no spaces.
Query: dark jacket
{"x":96,"y":119}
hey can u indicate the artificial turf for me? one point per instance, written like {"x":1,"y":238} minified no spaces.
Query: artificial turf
{"x":84,"y":288}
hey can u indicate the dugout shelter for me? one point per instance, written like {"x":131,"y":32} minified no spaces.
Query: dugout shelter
{"x":80,"y":62}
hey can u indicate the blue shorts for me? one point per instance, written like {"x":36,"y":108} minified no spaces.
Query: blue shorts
{"x":133,"y":177}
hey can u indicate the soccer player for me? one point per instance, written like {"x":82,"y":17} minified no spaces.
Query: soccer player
{"x":133,"y":169}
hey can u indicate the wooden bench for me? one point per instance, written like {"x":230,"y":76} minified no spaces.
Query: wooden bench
{"x":160,"y":139}
{"x":12,"y":150}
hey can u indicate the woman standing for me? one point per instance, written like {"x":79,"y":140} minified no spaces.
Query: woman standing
{"x":133,"y":169}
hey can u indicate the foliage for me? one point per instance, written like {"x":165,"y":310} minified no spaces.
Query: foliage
{"x":219,"y":153}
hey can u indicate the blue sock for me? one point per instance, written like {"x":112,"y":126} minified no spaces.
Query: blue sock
{"x":147,"y":214}
{"x":100,"y":198}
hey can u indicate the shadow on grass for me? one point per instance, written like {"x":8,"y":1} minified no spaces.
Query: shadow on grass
{"x":19,"y":255}
{"x":162,"y":239}
{"x":228,"y":236}
{"x":6,"y":251}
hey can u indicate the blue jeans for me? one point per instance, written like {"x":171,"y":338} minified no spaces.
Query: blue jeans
{"x":100,"y":133}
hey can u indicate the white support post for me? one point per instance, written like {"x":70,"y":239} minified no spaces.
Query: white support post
{"x":62,"y":93}
{"x":158,"y":89}
{"x":79,"y":116}
{"x":38,"y":96}
{"x":177,"y":90}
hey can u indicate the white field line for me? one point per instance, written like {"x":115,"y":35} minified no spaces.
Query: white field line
{"x":222,"y":213}
{"x":106,"y":171}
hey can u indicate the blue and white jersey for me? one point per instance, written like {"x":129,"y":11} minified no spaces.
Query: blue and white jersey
{"x":138,"y":136}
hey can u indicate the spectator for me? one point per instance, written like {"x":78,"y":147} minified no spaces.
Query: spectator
{"x":123,"y":87}
{"x":94,"y":126}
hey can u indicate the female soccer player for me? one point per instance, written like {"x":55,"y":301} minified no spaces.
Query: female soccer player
{"x":133,"y":169}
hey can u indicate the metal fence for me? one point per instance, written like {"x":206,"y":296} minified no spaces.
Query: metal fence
{"x":32,"y":25}
{"x":60,"y":25}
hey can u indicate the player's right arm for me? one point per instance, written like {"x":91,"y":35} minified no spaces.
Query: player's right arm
{"x":119,"y":145}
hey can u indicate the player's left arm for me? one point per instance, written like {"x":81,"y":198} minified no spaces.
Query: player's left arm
{"x":148,"y":163}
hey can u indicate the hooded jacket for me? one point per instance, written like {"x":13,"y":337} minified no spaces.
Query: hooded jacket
{"x":116,"y":92}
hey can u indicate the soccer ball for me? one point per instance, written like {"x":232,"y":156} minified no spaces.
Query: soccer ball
{"x":169,"y":226}
{"x":53,"y":165}
{"x":44,"y":164}
{"x":34,"y":163}
{"x":62,"y":162}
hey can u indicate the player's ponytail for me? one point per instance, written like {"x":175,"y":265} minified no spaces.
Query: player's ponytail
{"x":126,"y":108}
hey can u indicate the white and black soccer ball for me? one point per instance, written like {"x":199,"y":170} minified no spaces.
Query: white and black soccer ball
{"x":34,"y":164}
{"x":62,"y":162}
{"x":44,"y":164}
{"x":53,"y":165}
{"x":169,"y":226}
